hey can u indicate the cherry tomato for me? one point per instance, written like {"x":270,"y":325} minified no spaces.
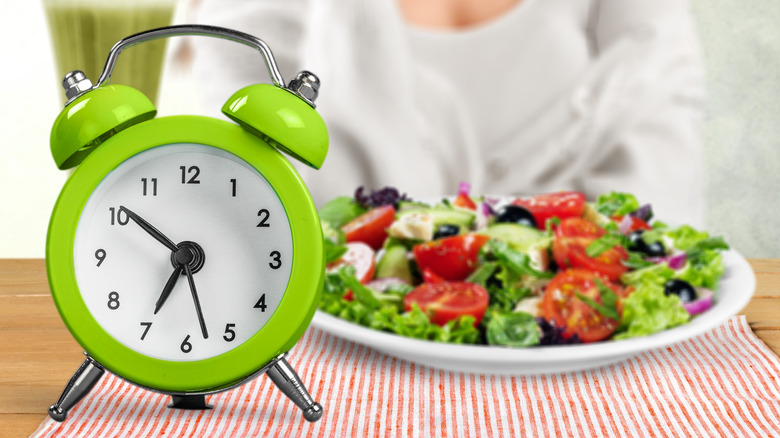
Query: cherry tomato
{"x":446,"y":301}
{"x":561,"y":305}
{"x":430,"y":277}
{"x":452,"y":258}
{"x":636,"y":223}
{"x":464,"y":201}
{"x":561,"y":205}
{"x":371,"y":226}
{"x":361,"y":256}
{"x":572,"y":237}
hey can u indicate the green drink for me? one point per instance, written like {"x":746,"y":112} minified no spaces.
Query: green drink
{"x":83,"y":32}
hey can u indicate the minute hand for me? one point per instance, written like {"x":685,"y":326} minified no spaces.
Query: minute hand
{"x":154,"y":232}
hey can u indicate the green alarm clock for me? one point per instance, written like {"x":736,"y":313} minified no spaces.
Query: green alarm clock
{"x":185,"y":253}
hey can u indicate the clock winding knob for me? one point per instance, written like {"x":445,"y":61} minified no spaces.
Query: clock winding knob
{"x":75,"y":83}
{"x":306,"y":85}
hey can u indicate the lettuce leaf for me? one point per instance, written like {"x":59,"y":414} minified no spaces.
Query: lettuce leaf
{"x":685,"y":236}
{"x":340,"y":210}
{"x":616,"y":204}
{"x":513,"y":329}
{"x":704,"y":264}
{"x":415,"y":324}
{"x":656,"y":274}
{"x":648,"y":310}
{"x":704,"y":269}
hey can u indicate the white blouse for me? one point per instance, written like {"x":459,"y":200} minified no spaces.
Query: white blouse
{"x":589,"y":95}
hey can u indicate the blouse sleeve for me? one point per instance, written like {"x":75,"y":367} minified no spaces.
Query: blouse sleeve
{"x":649,"y":140}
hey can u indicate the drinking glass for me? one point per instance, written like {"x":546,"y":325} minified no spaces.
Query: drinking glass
{"x":83,"y":31}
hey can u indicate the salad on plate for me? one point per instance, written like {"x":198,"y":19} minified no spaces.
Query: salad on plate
{"x":513,"y":271}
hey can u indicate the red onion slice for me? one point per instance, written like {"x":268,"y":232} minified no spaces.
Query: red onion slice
{"x":464,"y":188}
{"x":703,"y":303}
{"x":625,"y":225}
{"x":675,"y":261}
{"x":644,"y":212}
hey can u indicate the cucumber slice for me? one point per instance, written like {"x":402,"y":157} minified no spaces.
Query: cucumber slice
{"x":518,"y":237}
{"x":394,"y":264}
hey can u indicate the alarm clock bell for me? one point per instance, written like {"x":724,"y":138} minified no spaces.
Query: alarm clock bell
{"x":282,"y":116}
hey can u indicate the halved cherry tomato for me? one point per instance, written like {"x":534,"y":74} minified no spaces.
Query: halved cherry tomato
{"x":452,"y":258}
{"x":361,"y":256}
{"x":636,"y":223}
{"x":430,"y":277}
{"x":572,"y":237}
{"x":561,"y":205}
{"x":371,"y":226}
{"x":561,"y":305}
{"x":464,"y":201}
{"x":446,"y":301}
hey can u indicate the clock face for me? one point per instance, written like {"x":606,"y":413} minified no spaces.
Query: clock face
{"x":230,"y":230}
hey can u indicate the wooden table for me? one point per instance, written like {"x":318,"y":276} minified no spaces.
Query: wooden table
{"x":38,"y":354}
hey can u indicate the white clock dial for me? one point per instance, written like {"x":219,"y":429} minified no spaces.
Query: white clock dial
{"x":190,"y":193}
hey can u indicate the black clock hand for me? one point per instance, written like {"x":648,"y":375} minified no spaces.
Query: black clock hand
{"x":188,"y":272}
{"x":154,"y":232}
{"x":168,"y":288}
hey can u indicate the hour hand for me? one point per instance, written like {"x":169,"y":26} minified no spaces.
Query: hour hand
{"x":154,"y":232}
{"x":168,"y":288}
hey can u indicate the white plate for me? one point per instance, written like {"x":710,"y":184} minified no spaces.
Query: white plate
{"x":735,"y":289}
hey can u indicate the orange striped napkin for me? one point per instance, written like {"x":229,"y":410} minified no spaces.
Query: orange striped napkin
{"x":723,"y":383}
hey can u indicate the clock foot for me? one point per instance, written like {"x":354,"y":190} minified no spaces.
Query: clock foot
{"x":79,"y":385}
{"x":189,"y":402}
{"x":287,"y":380}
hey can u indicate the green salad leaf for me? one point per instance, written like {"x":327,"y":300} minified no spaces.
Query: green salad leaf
{"x":502,"y":271}
{"x":616,"y":204}
{"x":704,"y":269}
{"x":606,"y":242}
{"x":338,"y":211}
{"x":383,"y":311}
{"x":685,"y":236}
{"x":511,"y":259}
{"x":655,"y":274}
{"x":704,"y":263}
{"x":607,"y":305}
{"x":334,"y":242}
{"x":416,"y":324}
{"x":513,"y":329}
{"x":648,"y":310}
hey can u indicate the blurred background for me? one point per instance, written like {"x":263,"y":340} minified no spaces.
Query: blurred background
{"x":740,"y":42}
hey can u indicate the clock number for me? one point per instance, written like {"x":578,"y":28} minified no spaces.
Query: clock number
{"x":233,"y":184}
{"x":186,"y":347}
{"x":194,"y":170}
{"x":120,"y":218}
{"x":230,"y":334}
{"x":148,"y":325}
{"x":277,"y":260}
{"x":260,"y":304}
{"x":100,"y":254}
{"x":113,"y":300}
{"x":264,"y":215}
{"x":144,"y":182}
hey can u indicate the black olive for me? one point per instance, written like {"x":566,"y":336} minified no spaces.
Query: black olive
{"x":515,"y":214}
{"x":446,"y":230}
{"x":655,"y":249}
{"x":681,"y":288}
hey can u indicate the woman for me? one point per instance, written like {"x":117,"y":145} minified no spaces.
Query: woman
{"x":514,"y":96}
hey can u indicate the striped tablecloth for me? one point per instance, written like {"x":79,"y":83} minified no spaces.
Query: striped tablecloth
{"x":723,"y":383}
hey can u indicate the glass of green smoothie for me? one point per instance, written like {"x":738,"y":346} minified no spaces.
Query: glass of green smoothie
{"x":83,"y":32}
